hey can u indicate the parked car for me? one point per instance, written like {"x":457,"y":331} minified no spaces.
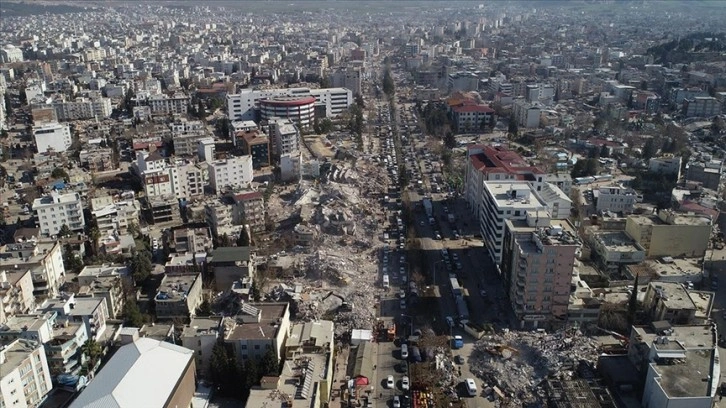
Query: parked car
{"x":389,"y":382}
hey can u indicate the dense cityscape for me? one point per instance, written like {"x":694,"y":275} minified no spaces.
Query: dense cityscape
{"x":315,"y":204}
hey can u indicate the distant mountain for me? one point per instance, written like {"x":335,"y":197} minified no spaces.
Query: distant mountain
{"x":30,"y":8}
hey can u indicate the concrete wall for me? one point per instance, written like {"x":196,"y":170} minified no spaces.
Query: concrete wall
{"x":182,"y":395}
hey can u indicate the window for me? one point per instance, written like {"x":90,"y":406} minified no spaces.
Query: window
{"x":257,"y":346}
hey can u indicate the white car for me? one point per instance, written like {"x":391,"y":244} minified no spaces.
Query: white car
{"x":405,"y":383}
{"x":396,"y":402}
{"x":389,"y":382}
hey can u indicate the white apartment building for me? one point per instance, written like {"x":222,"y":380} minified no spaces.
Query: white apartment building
{"x":186,"y":126}
{"x":157,"y":183}
{"x":235,"y":172}
{"x":503,"y":201}
{"x":25,"y":377}
{"x":285,"y":137}
{"x":702,"y":107}
{"x":666,"y":165}
{"x":526,"y":114}
{"x":614,"y":198}
{"x":188,"y":179}
{"x":206,"y":149}
{"x":244,"y":105}
{"x":11,"y":53}
{"x":116,"y":217}
{"x":55,"y":210}
{"x":83,"y":108}
{"x":349,"y":78}
{"x":165,"y":105}
{"x":291,"y":166}
{"x":52,"y":136}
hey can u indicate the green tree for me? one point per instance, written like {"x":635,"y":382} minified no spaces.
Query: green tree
{"x":389,"y":87}
{"x":633,"y":304}
{"x":359,"y":101}
{"x":244,"y":238}
{"x":59,"y":173}
{"x":223,"y":240}
{"x":92,"y":351}
{"x":201,"y":110}
{"x":604,"y":152}
{"x":222,"y":127}
{"x":513,"y":129}
{"x":94,"y":235}
{"x":140,"y":265}
{"x":71,"y":262}
{"x":649,"y":149}
{"x":450,"y":140}
{"x":224,"y":371}
{"x":132,"y":314}
{"x":326,"y":126}
{"x":133,"y":230}
{"x":64,"y":231}
{"x":269,"y":364}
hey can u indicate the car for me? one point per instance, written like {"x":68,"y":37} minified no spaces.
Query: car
{"x":438,"y":235}
{"x":450,"y":321}
{"x":459,"y":359}
{"x":459,"y":266}
{"x":403,"y":304}
{"x":396,"y":402}
{"x":389,"y":382}
{"x":405,"y":383}
{"x":402,"y":294}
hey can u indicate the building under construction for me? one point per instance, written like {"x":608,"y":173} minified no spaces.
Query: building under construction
{"x":577,"y":393}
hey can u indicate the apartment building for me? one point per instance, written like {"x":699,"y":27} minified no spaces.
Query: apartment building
{"x":670,"y":233}
{"x":16,"y":292}
{"x":291,"y":166}
{"x":83,"y":108}
{"x":97,"y":159}
{"x":613,"y":250}
{"x":24,"y":374}
{"x":708,"y":172}
{"x":188,"y":179}
{"x":503,"y":201}
{"x":44,"y":260}
{"x":615,"y":198}
{"x":538,"y":260}
{"x":349,"y":78}
{"x":201,"y":335}
{"x":701,"y":107}
{"x":91,"y":312}
{"x":105,"y":281}
{"x":471,"y":117}
{"x":256,"y":329}
{"x":57,"y":209}
{"x":233,"y":172}
{"x":206,"y":149}
{"x":178,"y":296}
{"x":298,"y":109}
{"x":257,"y":145}
{"x":229,"y":265}
{"x":52,"y":136}
{"x":245,"y":105}
{"x":525,"y":114}
{"x":115,"y":218}
{"x":162,"y":104}
{"x":64,"y":350}
{"x":666,"y":166}
{"x":249,"y":209}
{"x":187,"y":144}
{"x":285,"y":137}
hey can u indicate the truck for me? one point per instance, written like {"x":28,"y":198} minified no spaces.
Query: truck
{"x":455,"y":288}
{"x":428,"y":207}
{"x":462,"y":309}
{"x":457,"y":342}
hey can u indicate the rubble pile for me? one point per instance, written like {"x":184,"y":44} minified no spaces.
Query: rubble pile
{"x":517,"y":362}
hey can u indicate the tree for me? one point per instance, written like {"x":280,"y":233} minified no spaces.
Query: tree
{"x":92,"y":351}
{"x":140,"y":265}
{"x":450,"y":140}
{"x":201,"y":110}
{"x":223,"y":240}
{"x":64,"y":231}
{"x":70,"y":261}
{"x":649,"y":149}
{"x":244,"y":238}
{"x":269,"y":364}
{"x":132,"y":314}
{"x":389,"y":87}
{"x":604,"y":152}
{"x":94,"y":235}
{"x":133,"y":230}
{"x":359,"y":101}
{"x":513,"y":129}
{"x":223,"y":370}
{"x":633,"y":303}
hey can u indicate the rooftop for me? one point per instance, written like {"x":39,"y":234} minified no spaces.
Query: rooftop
{"x":14,"y":354}
{"x":174,"y":287}
{"x":141,"y":374}
{"x":673,"y":295}
{"x":500,"y":160}
{"x":617,"y":241}
{"x":266,"y":328}
{"x":320,"y":332}
{"x":688,"y":377}
{"x":296,"y":385}
{"x":514,"y":194}
{"x":230,"y":254}
{"x":200,"y":326}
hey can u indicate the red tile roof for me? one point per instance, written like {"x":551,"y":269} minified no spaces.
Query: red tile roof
{"x":247,"y":196}
{"x":501,"y":160}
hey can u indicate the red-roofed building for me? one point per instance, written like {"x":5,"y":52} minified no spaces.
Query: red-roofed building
{"x":249,"y":209}
{"x":494,"y":163}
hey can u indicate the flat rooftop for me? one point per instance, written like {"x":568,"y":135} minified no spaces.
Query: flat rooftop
{"x":617,"y":241}
{"x":202,"y":326}
{"x":689,"y":337}
{"x":678,"y":219}
{"x":674,"y":295}
{"x":15,"y":354}
{"x":688,"y":377}
{"x":266,"y":328}
{"x":176,"y":287}
{"x":501,"y":191}
{"x":293,"y":384}
{"x":104,"y":270}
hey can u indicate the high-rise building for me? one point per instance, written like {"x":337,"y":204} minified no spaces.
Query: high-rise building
{"x":285,"y":137}
{"x":233,"y":172}
{"x":52,"y":136}
{"x":537,"y":263}
{"x":348,"y":78}
{"x":246,"y":104}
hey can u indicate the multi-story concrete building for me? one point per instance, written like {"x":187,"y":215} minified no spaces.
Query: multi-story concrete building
{"x":542,"y":93}
{"x":612,"y":250}
{"x":257,"y":145}
{"x":52,"y":136}
{"x":206,"y":149}
{"x":503,"y":201}
{"x":670,"y":233}
{"x":187,"y":144}
{"x":56,"y":209}
{"x":298,"y":109}
{"x":249,"y":209}
{"x":231,"y":264}
{"x":44,"y":260}
{"x":291,"y":166}
{"x":701,"y":107}
{"x":707,"y":172}
{"x":64,"y":351}
{"x":245,"y":105}
{"x":537,"y":265}
{"x":349,"y":78}
{"x":258,"y":328}
{"x":285,"y":137}
{"x":16,"y":292}
{"x":666,"y":166}
{"x":91,"y":312}
{"x":105,"y":281}
{"x":471,"y":117}
{"x":161,"y":105}
{"x":188,"y":179}
{"x":233,"y":172}
{"x":679,"y":363}
{"x":83,"y":108}
{"x":218,"y":215}
{"x":615,"y":198}
{"x":178,"y":296}
{"x":143,"y":373}
{"x":201,"y":335}
{"x":10,"y":54}
{"x":525,"y":114}
{"x":24,"y":374}
{"x":192,"y":238}
{"x":115,"y":218}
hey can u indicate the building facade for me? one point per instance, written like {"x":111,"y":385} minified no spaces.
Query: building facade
{"x":233,"y":172}
{"x":56,"y":209}
{"x":245,"y":105}
{"x":25,"y":377}
{"x":52,"y":136}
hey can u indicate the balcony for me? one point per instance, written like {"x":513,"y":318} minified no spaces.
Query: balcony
{"x":520,"y":284}
{"x":519,"y":292}
{"x":521,"y":273}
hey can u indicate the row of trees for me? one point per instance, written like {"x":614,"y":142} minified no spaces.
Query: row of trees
{"x":389,"y":87}
{"x":233,"y":379}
